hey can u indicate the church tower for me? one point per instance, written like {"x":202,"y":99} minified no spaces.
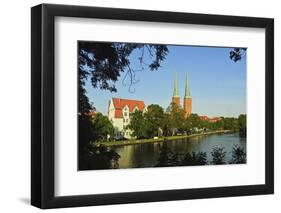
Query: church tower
{"x":187,"y":101}
{"x":176,"y":98}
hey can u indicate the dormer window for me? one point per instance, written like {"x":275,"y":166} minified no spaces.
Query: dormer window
{"x":136,"y":109}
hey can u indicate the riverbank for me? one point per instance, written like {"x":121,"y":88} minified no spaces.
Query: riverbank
{"x":151,"y":140}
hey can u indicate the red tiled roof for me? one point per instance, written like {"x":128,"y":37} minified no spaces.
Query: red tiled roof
{"x":118,"y":113}
{"x":215,"y":119}
{"x":120,"y":103}
{"x":206,"y":118}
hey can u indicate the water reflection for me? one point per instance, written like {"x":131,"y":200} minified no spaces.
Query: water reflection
{"x":147,"y":155}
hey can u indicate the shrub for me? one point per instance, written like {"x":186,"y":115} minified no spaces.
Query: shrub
{"x":238,"y":155}
{"x":218,"y":155}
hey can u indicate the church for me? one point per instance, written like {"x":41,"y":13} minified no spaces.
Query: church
{"x":187,"y":100}
{"x":119,"y":109}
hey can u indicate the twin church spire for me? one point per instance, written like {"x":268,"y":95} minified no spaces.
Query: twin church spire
{"x":187,"y":101}
{"x":176,"y":91}
{"x":187,"y":90}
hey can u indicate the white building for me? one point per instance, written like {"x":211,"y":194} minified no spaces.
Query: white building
{"x":119,"y":114}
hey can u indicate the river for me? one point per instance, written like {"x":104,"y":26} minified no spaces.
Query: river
{"x":147,"y":154}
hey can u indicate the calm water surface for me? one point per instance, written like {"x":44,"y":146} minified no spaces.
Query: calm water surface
{"x":146,"y":155}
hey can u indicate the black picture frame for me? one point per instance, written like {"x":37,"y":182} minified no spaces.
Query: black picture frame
{"x":43,"y":102}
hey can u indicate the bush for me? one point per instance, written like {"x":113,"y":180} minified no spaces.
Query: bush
{"x":192,"y":159}
{"x":100,"y":157}
{"x":238,"y":155}
{"x":218,"y":155}
{"x":170,"y":158}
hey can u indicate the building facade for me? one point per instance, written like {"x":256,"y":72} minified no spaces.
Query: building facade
{"x":119,"y":110}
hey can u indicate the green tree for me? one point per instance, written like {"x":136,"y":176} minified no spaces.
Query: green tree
{"x":219,"y":124}
{"x":85,"y":135}
{"x":230,"y":124}
{"x":169,"y":158}
{"x":192,"y":159}
{"x":147,"y":124}
{"x":187,"y":125}
{"x":242,"y":123}
{"x":176,"y":118}
{"x":218,"y":155}
{"x":98,"y":158}
{"x":154,"y":117}
{"x":137,"y":124}
{"x":166,"y":125}
{"x":195,"y":121}
{"x":238,"y":155}
{"x":102,"y":127}
{"x":103,"y":62}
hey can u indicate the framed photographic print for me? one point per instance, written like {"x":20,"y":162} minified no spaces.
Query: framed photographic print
{"x":139,"y":106}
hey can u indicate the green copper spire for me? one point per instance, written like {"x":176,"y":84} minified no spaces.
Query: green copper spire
{"x":187,"y":91}
{"x":176,"y":94}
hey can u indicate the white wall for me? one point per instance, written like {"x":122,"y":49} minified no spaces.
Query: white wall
{"x":15,"y":106}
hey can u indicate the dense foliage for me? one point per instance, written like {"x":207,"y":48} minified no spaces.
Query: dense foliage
{"x":103,"y":62}
{"x":237,"y":54}
{"x":169,"y":158}
{"x":242,"y":124}
{"x":218,"y":155}
{"x":102,"y":128}
{"x":98,"y":158}
{"x":157,"y":122}
{"x":148,"y":124}
{"x":238,"y":155}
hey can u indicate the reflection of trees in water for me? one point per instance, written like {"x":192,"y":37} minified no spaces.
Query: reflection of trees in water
{"x":104,"y":158}
{"x":167,"y":157}
{"x":138,"y":156}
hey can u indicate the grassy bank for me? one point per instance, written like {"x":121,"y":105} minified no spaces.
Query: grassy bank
{"x":151,"y":140}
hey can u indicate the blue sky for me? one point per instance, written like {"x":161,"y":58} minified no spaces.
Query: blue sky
{"x":217,"y":84}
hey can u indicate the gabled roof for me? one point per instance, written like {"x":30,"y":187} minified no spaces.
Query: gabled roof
{"x":120,"y":103}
